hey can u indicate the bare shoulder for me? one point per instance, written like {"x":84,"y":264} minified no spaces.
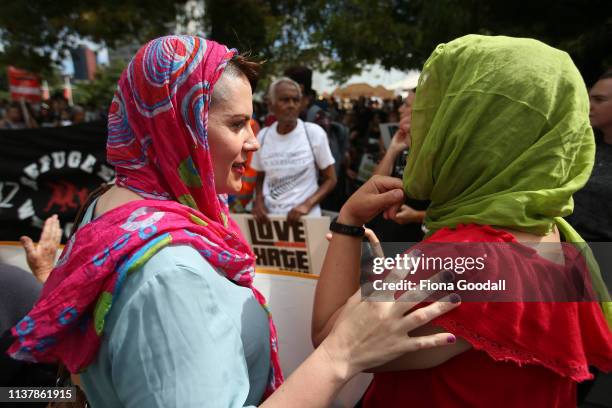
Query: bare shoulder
{"x":113,"y":198}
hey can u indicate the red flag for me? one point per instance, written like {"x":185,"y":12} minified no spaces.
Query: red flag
{"x":45,"y":91}
{"x":23,"y":85}
{"x":68,"y":90}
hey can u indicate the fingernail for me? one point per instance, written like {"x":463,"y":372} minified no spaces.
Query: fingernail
{"x":451,"y":339}
{"x":455,"y":298}
{"x":447,"y":276}
{"x":399,"y":194}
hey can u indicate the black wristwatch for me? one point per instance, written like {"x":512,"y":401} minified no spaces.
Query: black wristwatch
{"x":344,"y":229}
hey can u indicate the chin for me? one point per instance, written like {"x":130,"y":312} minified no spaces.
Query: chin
{"x":234,"y":187}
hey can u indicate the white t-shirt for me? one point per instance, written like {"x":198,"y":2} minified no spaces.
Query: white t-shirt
{"x":289,"y":165}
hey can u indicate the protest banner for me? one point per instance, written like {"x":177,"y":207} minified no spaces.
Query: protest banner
{"x":281,"y":246}
{"x":48,"y":171}
{"x":387,"y":130}
{"x":24,"y":85}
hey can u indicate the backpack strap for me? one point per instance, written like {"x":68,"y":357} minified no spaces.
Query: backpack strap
{"x":314,"y":156}
{"x":263,"y":137}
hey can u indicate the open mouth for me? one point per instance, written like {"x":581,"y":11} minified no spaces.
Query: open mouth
{"x":239,"y":167}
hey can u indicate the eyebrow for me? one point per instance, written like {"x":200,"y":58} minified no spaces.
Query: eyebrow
{"x":237,"y":116}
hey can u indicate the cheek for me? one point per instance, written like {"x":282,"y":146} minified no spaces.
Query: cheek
{"x":225,"y":151}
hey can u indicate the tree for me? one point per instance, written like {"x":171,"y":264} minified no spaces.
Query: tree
{"x":276,"y":32}
{"x":100,"y":91}
{"x":32,"y":32}
{"x":341,"y":36}
{"x":583,"y":29}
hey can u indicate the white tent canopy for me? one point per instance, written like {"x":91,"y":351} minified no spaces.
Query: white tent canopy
{"x":406,"y":84}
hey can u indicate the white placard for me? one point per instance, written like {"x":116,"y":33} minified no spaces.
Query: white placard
{"x":283,"y":247}
{"x":387,"y":130}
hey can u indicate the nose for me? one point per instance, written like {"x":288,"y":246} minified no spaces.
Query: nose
{"x":293,"y":103}
{"x":251,"y":143}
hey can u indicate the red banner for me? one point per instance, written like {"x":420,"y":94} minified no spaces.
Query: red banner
{"x":23,"y":85}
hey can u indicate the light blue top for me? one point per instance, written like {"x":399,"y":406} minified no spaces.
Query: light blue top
{"x":180,"y":335}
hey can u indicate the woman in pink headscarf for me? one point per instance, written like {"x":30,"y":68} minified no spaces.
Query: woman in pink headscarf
{"x":152,"y":299}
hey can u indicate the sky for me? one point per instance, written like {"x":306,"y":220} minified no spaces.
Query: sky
{"x":373,"y":75}
{"x":101,"y":56}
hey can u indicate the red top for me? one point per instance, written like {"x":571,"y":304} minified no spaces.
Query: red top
{"x":525,"y":354}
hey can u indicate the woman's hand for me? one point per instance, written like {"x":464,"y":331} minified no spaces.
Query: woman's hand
{"x":41,"y":256}
{"x":401,"y":139}
{"x":370,"y":333}
{"x":378,"y":194}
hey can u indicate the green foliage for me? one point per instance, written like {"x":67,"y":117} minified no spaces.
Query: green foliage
{"x":277,"y":32}
{"x":340,"y":36}
{"x":33,"y":31}
{"x":100,"y":91}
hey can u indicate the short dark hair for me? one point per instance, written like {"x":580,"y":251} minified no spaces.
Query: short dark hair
{"x":302,"y":75}
{"x":247,"y":66}
{"x":606,"y":75}
{"x":240,"y":65}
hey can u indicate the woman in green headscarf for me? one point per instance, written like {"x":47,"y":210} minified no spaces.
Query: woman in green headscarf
{"x":500,"y":142}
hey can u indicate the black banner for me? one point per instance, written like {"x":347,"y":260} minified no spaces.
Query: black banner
{"x":48,"y":171}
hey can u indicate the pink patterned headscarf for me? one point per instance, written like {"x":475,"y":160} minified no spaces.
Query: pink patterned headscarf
{"x":158,"y":143}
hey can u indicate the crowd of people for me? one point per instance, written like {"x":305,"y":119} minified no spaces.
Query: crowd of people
{"x":147,"y":303}
{"x":352,"y":129}
{"x":54,"y":112}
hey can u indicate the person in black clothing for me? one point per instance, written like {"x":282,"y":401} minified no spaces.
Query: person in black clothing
{"x":412,"y":212}
{"x":592,"y":216}
{"x":19,"y":290}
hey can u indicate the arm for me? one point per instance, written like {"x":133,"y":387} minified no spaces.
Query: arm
{"x":260,"y":212}
{"x":362,"y":332}
{"x":329,"y":182}
{"x":340,"y":271}
{"x":323,"y":160}
{"x":385,"y":167}
{"x":339,"y":277}
{"x":41,"y":256}
{"x":400,"y":142}
{"x":330,"y":179}
{"x":27,"y":118}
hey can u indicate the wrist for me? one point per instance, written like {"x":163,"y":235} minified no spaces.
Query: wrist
{"x":308,"y":204}
{"x":394,"y":149}
{"x":42,"y":273}
{"x":346,"y":218}
{"x":336,"y":358}
{"x":420,"y":216}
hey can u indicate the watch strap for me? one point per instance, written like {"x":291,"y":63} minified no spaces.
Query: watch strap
{"x":344,"y":229}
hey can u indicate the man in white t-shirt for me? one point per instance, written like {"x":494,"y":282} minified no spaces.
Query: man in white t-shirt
{"x":291,"y":156}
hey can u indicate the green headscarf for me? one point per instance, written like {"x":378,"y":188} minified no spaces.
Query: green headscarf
{"x":501,"y":136}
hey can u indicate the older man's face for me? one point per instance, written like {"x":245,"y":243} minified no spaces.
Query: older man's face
{"x":286,"y":106}
{"x":600,"y":97}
